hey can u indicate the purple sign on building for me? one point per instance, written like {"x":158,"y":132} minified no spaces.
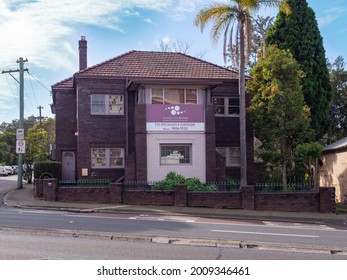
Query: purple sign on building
{"x":179,"y":117}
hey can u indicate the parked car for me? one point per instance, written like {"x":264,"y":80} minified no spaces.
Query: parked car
{"x":9,"y":170}
{"x":3,"y":171}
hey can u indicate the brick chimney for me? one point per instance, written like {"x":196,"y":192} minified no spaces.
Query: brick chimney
{"x":82,"y":46}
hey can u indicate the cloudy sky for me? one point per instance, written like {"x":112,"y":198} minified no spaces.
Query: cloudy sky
{"x":46,"y":33}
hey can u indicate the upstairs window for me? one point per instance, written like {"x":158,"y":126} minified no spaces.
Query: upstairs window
{"x":226,"y":106}
{"x":104,"y":104}
{"x":231,"y":154}
{"x":174,"y":96}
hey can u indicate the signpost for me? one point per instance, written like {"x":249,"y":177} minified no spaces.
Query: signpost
{"x":20,"y":146}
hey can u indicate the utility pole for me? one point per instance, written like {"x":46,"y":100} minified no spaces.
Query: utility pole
{"x":21,"y":70}
{"x":40,"y":108}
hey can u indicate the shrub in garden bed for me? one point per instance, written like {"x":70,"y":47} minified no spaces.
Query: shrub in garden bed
{"x":193,"y":184}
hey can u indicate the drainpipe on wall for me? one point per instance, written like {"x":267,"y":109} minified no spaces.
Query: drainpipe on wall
{"x":126,"y":120}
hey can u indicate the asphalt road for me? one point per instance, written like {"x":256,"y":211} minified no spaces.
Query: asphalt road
{"x":179,"y":230}
{"x":251,"y":232}
{"x":19,"y":244}
{"x":7,"y":184}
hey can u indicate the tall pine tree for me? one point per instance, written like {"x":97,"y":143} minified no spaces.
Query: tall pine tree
{"x":299,"y":33}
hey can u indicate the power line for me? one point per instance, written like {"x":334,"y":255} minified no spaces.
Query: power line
{"x":9,"y":85}
{"x":32,"y":107}
{"x":45,"y":87}
{"x":15,"y":97}
{"x":32,"y":88}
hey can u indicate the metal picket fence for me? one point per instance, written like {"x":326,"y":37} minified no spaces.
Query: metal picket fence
{"x":290,"y":187}
{"x":84,"y":182}
{"x":162,"y":185}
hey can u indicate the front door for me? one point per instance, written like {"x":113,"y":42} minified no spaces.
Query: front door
{"x":68,"y":165}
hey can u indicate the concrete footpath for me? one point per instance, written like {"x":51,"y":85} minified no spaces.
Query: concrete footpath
{"x":24,"y":198}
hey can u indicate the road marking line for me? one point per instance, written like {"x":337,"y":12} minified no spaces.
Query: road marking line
{"x":266,"y":233}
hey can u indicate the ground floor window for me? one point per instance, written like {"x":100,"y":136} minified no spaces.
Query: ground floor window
{"x":175,"y":154}
{"x":231,"y":154}
{"x":107,"y":157}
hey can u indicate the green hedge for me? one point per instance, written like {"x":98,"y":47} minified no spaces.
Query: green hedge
{"x":47,"y":169}
{"x":193,"y":184}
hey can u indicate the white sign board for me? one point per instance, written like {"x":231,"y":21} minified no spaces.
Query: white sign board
{"x":20,"y":146}
{"x":20,"y":134}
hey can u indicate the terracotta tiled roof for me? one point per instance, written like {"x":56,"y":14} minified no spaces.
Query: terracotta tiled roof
{"x":67,"y":83}
{"x":159,"y":65}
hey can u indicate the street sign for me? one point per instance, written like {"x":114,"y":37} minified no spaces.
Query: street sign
{"x":20,"y":134}
{"x":20,"y":146}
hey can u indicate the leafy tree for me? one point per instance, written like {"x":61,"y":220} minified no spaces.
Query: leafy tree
{"x":280,"y":117}
{"x":338,"y":77}
{"x":12,"y":127}
{"x":40,"y":138}
{"x":224,"y":16}
{"x":299,"y":33}
{"x":8,"y":146}
{"x":5,"y":152}
{"x":306,"y":162}
{"x":8,"y":136}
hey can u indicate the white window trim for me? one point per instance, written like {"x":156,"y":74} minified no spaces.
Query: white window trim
{"x":226,"y":106}
{"x":107,"y":157}
{"x":107,"y":105}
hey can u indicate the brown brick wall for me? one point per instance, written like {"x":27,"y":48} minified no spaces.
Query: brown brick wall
{"x":228,"y":134}
{"x":140,"y":142}
{"x":321,"y":201}
{"x":230,"y":200}
{"x":65,"y":119}
{"x":210,"y":134}
{"x":326,"y":199}
{"x":164,"y":198}
{"x":291,"y":202}
{"x":98,"y":131}
{"x":84,"y":194}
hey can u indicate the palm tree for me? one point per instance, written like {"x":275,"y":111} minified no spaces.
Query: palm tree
{"x":224,"y":17}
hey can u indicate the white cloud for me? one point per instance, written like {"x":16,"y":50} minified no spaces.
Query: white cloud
{"x":331,"y":15}
{"x":40,"y":30}
{"x":150,"y":21}
{"x":36,"y":29}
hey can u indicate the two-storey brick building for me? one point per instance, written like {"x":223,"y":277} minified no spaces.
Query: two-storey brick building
{"x":142,"y":114}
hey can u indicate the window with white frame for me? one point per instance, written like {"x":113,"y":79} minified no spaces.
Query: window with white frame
{"x":226,"y":106}
{"x":107,"y":157}
{"x":231,"y":154}
{"x":175,"y":154}
{"x":104,"y":104}
{"x":174,"y":96}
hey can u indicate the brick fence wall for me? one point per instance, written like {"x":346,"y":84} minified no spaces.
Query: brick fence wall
{"x":322,"y":200}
